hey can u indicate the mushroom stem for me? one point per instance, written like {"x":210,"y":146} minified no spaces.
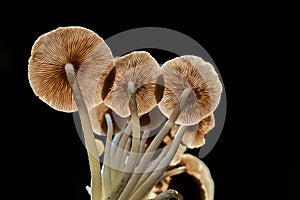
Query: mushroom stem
{"x":135,"y":146}
{"x":95,"y":169}
{"x":162,"y":133}
{"x":173,"y":172}
{"x":160,"y":169}
{"x":169,"y":124}
{"x":136,"y":181}
{"x":156,"y":142}
{"x":114,"y":149}
{"x":107,"y":158}
{"x":142,"y":143}
{"x":121,"y":152}
{"x":169,"y":194}
{"x":134,"y":119}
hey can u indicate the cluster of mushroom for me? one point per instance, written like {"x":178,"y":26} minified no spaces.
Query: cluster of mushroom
{"x":149,"y":113}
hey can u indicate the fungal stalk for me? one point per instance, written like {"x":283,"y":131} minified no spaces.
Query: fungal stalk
{"x":95,"y":169}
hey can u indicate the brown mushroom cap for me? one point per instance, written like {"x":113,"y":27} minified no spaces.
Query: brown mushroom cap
{"x":152,"y":119}
{"x":140,"y":68}
{"x":194,"y":136}
{"x":190,"y":72}
{"x":82,"y":48}
{"x":98,"y":121}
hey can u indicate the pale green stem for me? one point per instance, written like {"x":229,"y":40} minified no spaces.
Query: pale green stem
{"x":134,"y":119}
{"x":115,"y":141}
{"x":121,"y":153}
{"x":146,"y":158}
{"x":164,"y":131}
{"x":133,"y":186}
{"x":169,"y":124}
{"x":89,"y":138}
{"x":160,"y":169}
{"x":124,"y":157}
{"x":142,"y":143}
{"x":173,"y":172}
{"x":120,"y":147}
{"x":113,"y":170}
{"x":106,"y":178}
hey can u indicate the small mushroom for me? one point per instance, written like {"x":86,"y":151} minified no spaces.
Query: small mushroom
{"x":98,"y":121}
{"x":64,"y":71}
{"x":140,"y":70}
{"x":191,"y":72}
{"x":192,"y":91}
{"x":83,"y":49}
{"x":194,"y":136}
{"x":196,"y":177}
{"x":135,"y":89}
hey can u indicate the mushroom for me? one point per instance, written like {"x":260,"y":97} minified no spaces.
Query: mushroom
{"x":98,"y":121}
{"x":137,"y":71}
{"x":192,"y":72}
{"x":196,"y":177}
{"x":192,"y":92}
{"x":194,"y":136}
{"x":63,"y":71}
{"x":135,"y":89}
{"x":81,"y":47}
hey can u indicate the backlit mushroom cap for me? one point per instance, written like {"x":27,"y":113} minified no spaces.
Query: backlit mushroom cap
{"x":82,"y":48}
{"x":152,"y":119}
{"x":190,"y":72}
{"x":195,"y":184}
{"x":98,"y":121}
{"x":144,"y":72}
{"x":194,"y":136}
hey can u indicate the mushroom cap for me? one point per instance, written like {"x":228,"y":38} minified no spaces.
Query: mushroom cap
{"x":194,"y":136}
{"x":152,"y":119}
{"x":79,"y":46}
{"x":140,"y":68}
{"x":98,"y":121}
{"x":190,"y":72}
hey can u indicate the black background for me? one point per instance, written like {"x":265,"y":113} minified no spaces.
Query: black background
{"x":47,"y":158}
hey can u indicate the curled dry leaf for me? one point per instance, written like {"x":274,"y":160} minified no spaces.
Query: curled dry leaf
{"x":194,"y":184}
